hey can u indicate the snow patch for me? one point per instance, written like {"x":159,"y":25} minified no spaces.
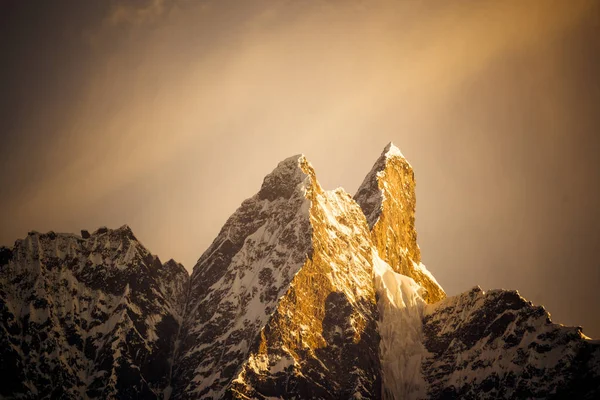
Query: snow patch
{"x":391,"y":150}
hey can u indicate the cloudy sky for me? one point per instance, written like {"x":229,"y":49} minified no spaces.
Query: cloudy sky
{"x":167,"y":115}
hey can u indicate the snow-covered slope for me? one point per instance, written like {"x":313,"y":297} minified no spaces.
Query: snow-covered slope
{"x":282,"y":296}
{"x":321,"y":342}
{"x":91,"y":316}
{"x":497,"y":345}
{"x":305,"y":293}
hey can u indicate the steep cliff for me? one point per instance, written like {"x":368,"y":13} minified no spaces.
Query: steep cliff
{"x":305,"y":293}
{"x":387,"y":198}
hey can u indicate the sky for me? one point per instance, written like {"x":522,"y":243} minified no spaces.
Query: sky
{"x":166,"y":115}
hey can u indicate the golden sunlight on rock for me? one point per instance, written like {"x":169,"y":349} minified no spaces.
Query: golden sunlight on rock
{"x":388,"y":199}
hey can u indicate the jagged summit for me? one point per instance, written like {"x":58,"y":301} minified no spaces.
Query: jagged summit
{"x":235,"y":284}
{"x":499,"y":345}
{"x":305,"y":293}
{"x":105,"y":254}
{"x":124,"y":232}
{"x":278,"y":262}
{"x":291,"y":161}
{"x":172,"y":263}
{"x":388,"y":200}
{"x":392,"y":150}
{"x":370,"y":194}
{"x":91,"y":316}
{"x":293,"y":173}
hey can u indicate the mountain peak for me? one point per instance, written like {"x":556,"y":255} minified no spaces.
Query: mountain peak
{"x":126,"y":232}
{"x":392,"y":150}
{"x":370,"y":194}
{"x":304,"y":293}
{"x":123,"y":232}
{"x":175,"y":266}
{"x":292,"y":159}
{"x":171,"y":262}
{"x":286,"y":284}
{"x":388,"y":200}
{"x":291,"y":174}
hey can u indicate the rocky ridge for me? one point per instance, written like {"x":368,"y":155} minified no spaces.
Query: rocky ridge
{"x":280,"y":306}
{"x":496,"y":344}
{"x":91,"y":316}
{"x":305,"y":293}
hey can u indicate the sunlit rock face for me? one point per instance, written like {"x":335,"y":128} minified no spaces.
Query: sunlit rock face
{"x":305,"y":293}
{"x":282,"y":303}
{"x":92,"y":316}
{"x":322,"y":340}
{"x":387,"y":198}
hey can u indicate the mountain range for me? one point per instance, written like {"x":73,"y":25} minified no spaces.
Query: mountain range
{"x":305,"y":293}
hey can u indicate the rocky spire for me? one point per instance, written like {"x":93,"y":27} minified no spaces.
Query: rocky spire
{"x":387,"y":198}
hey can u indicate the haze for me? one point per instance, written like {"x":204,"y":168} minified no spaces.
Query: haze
{"x":167,"y":115}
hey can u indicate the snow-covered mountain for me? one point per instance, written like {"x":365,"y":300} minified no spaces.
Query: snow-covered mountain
{"x":496,"y":344}
{"x":90,"y":316}
{"x":305,"y":293}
